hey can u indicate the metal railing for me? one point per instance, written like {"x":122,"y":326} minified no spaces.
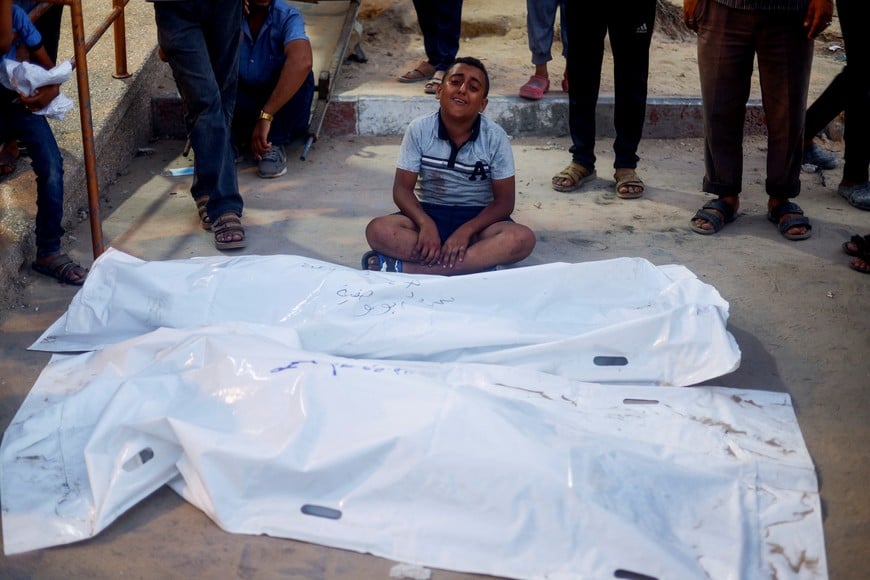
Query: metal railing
{"x":81,"y":47}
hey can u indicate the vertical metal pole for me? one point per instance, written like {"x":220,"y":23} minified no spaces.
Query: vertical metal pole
{"x":120,"y":32}
{"x":81,"y":60}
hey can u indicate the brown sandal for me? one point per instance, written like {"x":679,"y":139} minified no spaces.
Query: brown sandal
{"x":204,"y":220}
{"x":63,"y":269}
{"x":418,"y":74}
{"x":225,"y":230}
{"x":575,"y":174}
{"x":626,"y":178}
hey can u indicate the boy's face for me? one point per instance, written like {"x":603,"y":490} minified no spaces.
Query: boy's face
{"x":461,"y":92}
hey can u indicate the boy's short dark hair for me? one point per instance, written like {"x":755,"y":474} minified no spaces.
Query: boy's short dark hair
{"x":471,"y":61}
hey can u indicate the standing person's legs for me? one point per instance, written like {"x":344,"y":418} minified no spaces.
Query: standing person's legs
{"x":448,"y":24}
{"x":47,"y":162}
{"x":194,"y":47}
{"x":540,"y":17}
{"x":630,"y":36}
{"x":221,"y":27}
{"x":36,"y":134}
{"x":785,"y":56}
{"x":426,"y":20}
{"x":726,"y":54}
{"x":853,"y":15}
{"x":586,"y":30}
{"x":563,"y":35}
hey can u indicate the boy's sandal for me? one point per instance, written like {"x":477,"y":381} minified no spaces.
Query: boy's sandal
{"x":627,"y":178}
{"x":783,"y":224}
{"x":63,"y":269}
{"x":575,"y":174}
{"x":375,"y":261}
{"x":204,"y":220}
{"x":225,"y":229}
{"x":708,"y":214}
{"x":431,"y":86}
{"x":857,"y":246}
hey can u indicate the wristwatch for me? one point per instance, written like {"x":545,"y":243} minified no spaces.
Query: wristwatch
{"x":267,"y":116}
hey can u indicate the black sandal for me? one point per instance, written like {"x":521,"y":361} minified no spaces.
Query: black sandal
{"x":707,"y":214}
{"x":776,"y":214}
{"x":861,"y":243}
{"x":204,"y":220}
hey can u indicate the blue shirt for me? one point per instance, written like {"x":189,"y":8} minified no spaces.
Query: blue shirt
{"x":261,"y":60}
{"x":28,"y":35}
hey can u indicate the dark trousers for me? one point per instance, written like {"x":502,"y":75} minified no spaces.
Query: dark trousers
{"x":629,"y":24}
{"x":728,"y":42}
{"x":440,"y":22}
{"x":201,"y":41}
{"x":34,"y":132}
{"x":849,"y":92}
{"x":291,"y":120}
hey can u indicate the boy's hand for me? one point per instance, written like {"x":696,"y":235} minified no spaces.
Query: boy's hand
{"x":41,"y":98}
{"x":454,"y":248}
{"x":428,"y":246}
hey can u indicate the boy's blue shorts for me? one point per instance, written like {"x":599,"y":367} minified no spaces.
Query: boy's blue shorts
{"x":448,"y":218}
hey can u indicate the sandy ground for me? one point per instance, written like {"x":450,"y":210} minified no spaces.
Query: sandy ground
{"x":495,"y":32}
{"x":797,"y":311}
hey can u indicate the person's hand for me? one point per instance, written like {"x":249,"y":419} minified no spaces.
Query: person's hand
{"x":428,"y":247}
{"x":454,"y":248}
{"x":246,"y":6}
{"x":41,"y":98}
{"x":689,"y":7}
{"x":819,"y":14}
{"x":260,"y":138}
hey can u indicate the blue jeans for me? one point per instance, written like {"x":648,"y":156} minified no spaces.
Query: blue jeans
{"x":34,"y":132}
{"x":540,"y":19}
{"x":201,"y":41}
{"x":440,"y":23}
{"x":291,"y":120}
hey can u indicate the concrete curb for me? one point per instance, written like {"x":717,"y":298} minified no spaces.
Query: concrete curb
{"x":667,"y":118}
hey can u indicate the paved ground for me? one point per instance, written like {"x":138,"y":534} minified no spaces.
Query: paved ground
{"x":797,"y":311}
